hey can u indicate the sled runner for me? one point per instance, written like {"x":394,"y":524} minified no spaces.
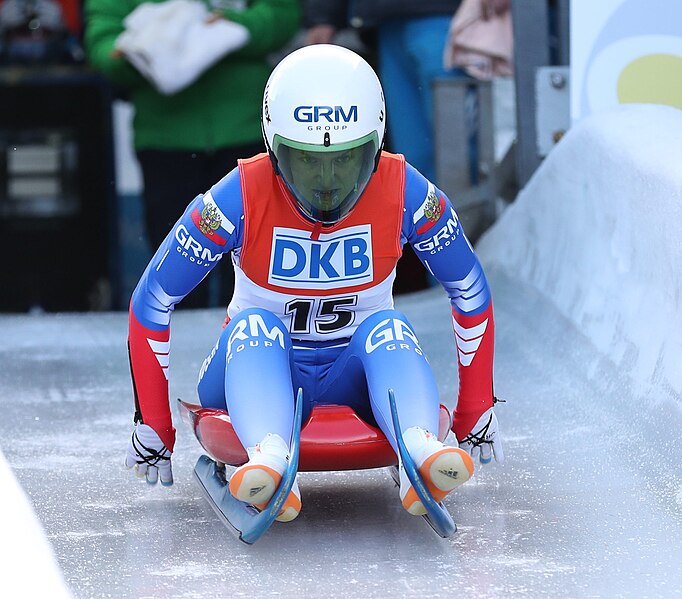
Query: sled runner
{"x":436,"y":515}
{"x":247,"y":522}
{"x":333,"y":438}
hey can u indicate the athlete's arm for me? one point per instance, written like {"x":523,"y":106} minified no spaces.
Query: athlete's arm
{"x":431,"y":226}
{"x":209,"y":228}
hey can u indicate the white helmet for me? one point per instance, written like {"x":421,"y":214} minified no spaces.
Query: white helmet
{"x":323,"y":124}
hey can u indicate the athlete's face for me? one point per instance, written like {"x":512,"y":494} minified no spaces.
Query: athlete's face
{"x":326,"y":178}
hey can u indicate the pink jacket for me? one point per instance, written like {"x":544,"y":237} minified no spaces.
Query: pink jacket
{"x":481,"y":39}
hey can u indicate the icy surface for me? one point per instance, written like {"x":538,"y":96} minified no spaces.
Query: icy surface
{"x":589,"y":503}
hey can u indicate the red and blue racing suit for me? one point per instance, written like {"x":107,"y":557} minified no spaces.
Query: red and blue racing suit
{"x":313,"y":306}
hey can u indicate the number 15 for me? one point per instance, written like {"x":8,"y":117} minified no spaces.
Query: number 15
{"x":331,"y":314}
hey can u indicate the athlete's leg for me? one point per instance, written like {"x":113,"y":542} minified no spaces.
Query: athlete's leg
{"x":384,"y":354}
{"x":252,"y":361}
{"x":388,"y":352}
{"x":391,"y":358}
{"x":248,"y":374}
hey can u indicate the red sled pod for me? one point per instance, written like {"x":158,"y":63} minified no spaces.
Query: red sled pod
{"x":333,"y":437}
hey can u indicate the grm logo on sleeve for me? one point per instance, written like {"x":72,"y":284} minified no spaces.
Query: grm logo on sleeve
{"x":190,"y":249}
{"x":335,"y":260}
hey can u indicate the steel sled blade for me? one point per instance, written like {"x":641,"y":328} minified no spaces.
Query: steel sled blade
{"x":243,"y":519}
{"x":436,"y":515}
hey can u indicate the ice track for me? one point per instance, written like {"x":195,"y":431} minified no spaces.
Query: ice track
{"x":588,"y":504}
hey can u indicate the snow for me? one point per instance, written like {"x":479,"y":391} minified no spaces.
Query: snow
{"x":598,"y":230}
{"x":585,"y":274}
{"x":27,"y":564}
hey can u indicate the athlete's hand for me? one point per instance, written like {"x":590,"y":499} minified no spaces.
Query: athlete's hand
{"x":484,"y":439}
{"x":149,"y":456}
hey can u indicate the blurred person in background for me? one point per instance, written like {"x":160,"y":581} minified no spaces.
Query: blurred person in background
{"x":481,"y":39}
{"x":410,"y":40}
{"x":40,"y":32}
{"x":186,"y":139}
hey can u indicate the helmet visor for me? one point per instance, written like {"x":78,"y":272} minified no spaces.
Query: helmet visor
{"x":326,"y":182}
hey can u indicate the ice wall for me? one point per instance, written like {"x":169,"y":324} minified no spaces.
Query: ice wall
{"x":27,"y":565}
{"x":598,"y":230}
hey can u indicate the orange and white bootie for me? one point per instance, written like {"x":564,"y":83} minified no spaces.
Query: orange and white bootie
{"x":443,"y":468}
{"x":256,"y":481}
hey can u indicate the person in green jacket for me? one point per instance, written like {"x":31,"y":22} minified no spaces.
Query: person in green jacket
{"x":187,"y":141}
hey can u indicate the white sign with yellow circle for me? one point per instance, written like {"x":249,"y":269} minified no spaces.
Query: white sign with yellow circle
{"x":625,"y":51}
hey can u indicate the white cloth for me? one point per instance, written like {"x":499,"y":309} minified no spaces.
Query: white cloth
{"x":172,"y":43}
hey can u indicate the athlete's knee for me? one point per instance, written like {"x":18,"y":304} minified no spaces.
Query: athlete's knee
{"x":382,"y":318}
{"x":206,"y":365}
{"x":388,"y":329}
{"x":255,"y":328}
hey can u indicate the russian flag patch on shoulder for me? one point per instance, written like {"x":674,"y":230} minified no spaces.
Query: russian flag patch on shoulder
{"x":211,"y":222}
{"x":429,"y":213}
